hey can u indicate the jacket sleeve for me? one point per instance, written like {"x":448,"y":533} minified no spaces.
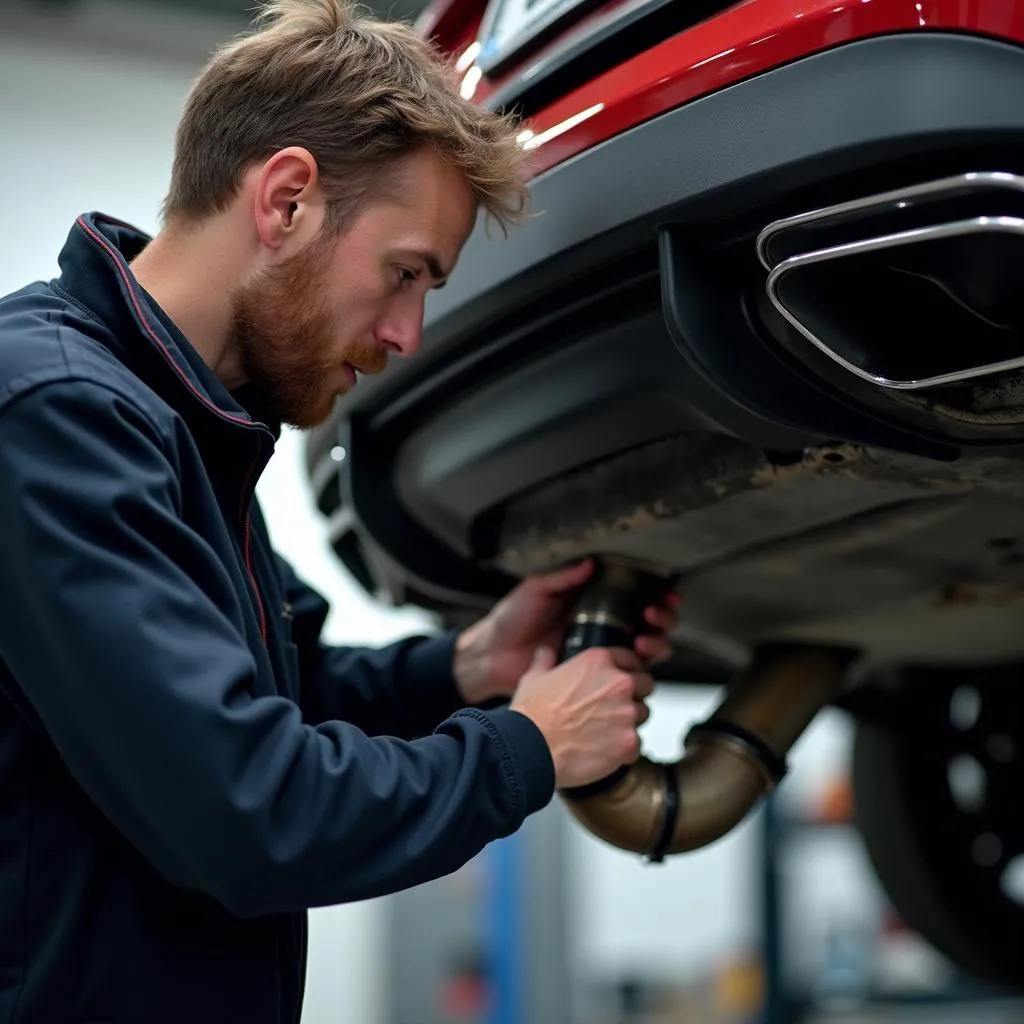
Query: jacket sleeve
{"x":404,"y":689}
{"x":124,"y":635}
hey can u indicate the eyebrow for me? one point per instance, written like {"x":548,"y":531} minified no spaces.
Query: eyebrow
{"x":433,"y":265}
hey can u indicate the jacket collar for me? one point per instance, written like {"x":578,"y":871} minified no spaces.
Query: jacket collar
{"x":95,"y":272}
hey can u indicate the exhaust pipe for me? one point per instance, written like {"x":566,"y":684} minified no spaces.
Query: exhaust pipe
{"x":731,"y":761}
{"x":910,"y":289}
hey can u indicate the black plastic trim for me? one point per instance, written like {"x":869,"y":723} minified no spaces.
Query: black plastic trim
{"x":712,"y":333}
{"x":620,"y":387}
{"x":403,"y":548}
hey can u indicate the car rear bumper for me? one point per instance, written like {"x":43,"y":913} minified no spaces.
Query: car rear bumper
{"x":435,"y":443}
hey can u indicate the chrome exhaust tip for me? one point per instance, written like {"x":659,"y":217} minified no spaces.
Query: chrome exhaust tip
{"x":909,"y":289}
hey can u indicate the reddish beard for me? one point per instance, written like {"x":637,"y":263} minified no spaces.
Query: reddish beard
{"x":284,"y":333}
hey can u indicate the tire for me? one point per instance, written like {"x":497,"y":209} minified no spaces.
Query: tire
{"x":943,"y":860}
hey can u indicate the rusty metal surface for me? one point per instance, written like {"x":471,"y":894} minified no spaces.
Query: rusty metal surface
{"x":843,"y":544}
{"x":999,"y":402}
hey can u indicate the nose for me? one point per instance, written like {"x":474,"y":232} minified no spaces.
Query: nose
{"x":401,"y":334}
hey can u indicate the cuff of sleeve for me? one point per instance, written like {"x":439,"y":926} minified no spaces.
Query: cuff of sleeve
{"x":529,"y":757}
{"x":430,"y":662}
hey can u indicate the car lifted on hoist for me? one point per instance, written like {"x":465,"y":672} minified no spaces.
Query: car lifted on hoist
{"x":764,"y":339}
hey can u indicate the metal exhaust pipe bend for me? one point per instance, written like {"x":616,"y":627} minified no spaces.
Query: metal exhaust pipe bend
{"x":732,"y":760}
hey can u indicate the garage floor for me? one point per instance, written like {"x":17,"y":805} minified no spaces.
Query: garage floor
{"x":964,"y":1013}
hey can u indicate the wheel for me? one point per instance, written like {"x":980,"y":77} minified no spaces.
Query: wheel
{"x":938,"y":793}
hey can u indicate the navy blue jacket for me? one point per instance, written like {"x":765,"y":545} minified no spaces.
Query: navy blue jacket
{"x":185,"y":767}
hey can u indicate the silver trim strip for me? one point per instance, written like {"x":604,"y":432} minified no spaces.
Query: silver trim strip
{"x":976,"y":179}
{"x":1009,"y":225}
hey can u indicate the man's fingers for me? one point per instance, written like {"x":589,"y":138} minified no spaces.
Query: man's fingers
{"x":654,"y":648}
{"x":631,"y":662}
{"x":644,"y":685}
{"x":643,"y":681}
{"x":563,"y":580}
{"x":661,"y":618}
{"x":544,"y":659}
{"x":626,"y":659}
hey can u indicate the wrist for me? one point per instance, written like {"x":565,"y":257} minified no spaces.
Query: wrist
{"x":471,"y":664}
{"x":547,"y":728}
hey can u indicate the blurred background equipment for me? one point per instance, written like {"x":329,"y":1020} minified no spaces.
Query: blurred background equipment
{"x":78,"y":13}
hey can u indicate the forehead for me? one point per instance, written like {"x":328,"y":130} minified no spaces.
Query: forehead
{"x":429,"y":199}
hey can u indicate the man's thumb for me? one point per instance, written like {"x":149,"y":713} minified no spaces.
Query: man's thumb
{"x":544,"y":658}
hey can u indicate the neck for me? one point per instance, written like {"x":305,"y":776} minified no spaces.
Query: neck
{"x":191,"y":274}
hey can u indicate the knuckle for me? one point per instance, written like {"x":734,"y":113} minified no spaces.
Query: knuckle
{"x":631,"y":746}
{"x":628,"y":658}
{"x":623,"y":685}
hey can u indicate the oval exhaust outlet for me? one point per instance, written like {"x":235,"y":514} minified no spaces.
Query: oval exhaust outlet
{"x":909,"y":289}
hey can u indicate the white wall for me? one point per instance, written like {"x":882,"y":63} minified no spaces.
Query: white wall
{"x":685,"y":918}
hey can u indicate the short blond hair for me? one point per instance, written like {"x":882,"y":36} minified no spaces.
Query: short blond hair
{"x":357,"y":92}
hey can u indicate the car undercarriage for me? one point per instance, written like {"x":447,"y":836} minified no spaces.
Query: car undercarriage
{"x":767,"y":346}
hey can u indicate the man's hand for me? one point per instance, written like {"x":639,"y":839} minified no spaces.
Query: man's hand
{"x":588,"y":709}
{"x":492,"y":655}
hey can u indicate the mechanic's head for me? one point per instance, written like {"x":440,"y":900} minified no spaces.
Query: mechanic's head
{"x":337,"y":150}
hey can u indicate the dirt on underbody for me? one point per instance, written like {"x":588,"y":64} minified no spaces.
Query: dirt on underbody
{"x":908,"y":558}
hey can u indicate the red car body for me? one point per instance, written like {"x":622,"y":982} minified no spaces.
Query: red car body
{"x":743,"y":40}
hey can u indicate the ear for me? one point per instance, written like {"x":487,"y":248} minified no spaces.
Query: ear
{"x":288,"y":203}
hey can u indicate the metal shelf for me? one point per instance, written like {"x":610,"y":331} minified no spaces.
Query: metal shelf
{"x":783,"y":1003}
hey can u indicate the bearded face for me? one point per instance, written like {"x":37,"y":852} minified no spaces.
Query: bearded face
{"x":292,"y":339}
{"x":304,"y":328}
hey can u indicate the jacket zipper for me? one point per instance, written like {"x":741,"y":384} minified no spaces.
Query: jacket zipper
{"x":245,"y":516}
{"x":121,"y":267}
{"x":247,"y":553}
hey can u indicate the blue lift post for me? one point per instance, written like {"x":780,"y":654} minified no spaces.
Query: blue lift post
{"x":527,"y":923}
{"x":505,"y":932}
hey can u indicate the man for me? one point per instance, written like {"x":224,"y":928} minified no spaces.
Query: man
{"x":185,"y":768}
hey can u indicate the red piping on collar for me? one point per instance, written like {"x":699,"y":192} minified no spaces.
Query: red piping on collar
{"x":126,"y":277}
{"x":243,"y":511}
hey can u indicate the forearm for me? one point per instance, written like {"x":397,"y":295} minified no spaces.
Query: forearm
{"x":123,"y":636}
{"x":403,"y":690}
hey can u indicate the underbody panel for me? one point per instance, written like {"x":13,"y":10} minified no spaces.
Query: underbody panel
{"x":904,"y":558}
{"x":616,"y":377}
